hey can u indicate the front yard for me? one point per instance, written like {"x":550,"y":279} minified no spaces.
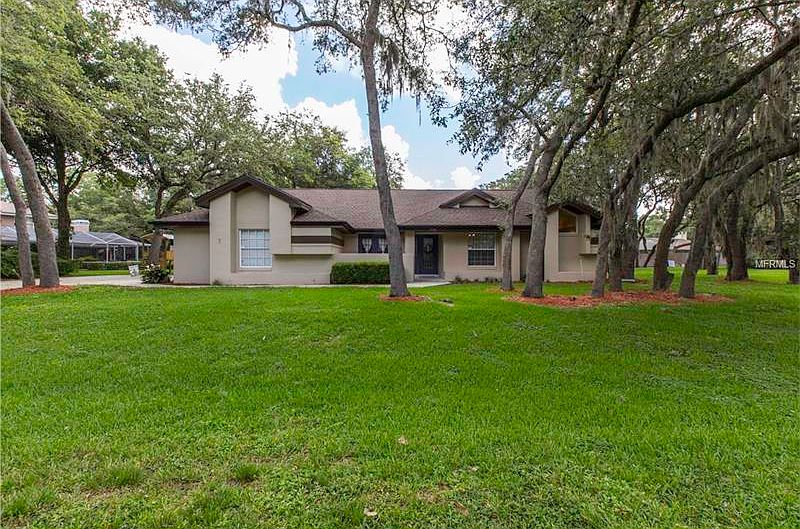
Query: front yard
{"x":250,"y":407}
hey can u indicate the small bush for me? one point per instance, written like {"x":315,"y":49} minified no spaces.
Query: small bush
{"x":154,"y":274}
{"x":97,"y":265}
{"x":8,"y":264}
{"x":360,"y":273}
{"x":10,"y":260}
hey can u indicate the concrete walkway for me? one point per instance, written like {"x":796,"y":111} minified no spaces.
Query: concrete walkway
{"x":128,"y":281}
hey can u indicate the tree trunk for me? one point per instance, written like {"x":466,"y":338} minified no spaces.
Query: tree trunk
{"x":534,"y":278}
{"x":397,"y":274}
{"x":603,"y":246}
{"x":62,"y":204}
{"x":615,"y":270}
{"x":20,"y":221}
{"x":507,"y":283}
{"x":156,"y":242}
{"x":737,"y":266}
{"x":710,"y":258}
{"x":508,"y":227}
{"x":45,"y":243}
{"x":696,"y":253}
{"x":629,"y":251}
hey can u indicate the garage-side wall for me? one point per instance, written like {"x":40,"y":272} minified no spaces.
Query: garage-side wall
{"x":191,"y":256}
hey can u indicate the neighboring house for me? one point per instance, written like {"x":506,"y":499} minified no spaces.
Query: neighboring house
{"x":249,"y":232}
{"x":679,"y":250}
{"x":101,"y":245}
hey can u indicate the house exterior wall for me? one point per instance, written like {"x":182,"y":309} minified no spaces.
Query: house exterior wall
{"x":191,"y":256}
{"x":305,"y":254}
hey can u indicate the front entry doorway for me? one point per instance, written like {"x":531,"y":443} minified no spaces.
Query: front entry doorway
{"x":426,"y":261}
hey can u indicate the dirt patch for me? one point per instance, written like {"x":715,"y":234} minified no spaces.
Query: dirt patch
{"x":617,"y":298}
{"x":384,"y":297}
{"x":24,"y":291}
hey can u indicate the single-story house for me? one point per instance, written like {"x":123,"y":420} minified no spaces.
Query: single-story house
{"x":249,"y":232}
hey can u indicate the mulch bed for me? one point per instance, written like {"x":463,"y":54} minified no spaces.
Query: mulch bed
{"x":25,"y":291}
{"x":384,"y":297}
{"x":617,"y":298}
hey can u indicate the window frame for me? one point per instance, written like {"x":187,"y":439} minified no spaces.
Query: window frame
{"x":268,"y":249}
{"x":473,"y":236}
{"x":374,"y":239}
{"x":574,"y":216}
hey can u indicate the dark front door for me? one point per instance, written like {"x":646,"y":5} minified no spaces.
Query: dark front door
{"x":427,"y":255}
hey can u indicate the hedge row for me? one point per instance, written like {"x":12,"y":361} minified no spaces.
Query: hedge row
{"x":117,"y":265}
{"x":360,"y":273}
{"x":9,"y":262}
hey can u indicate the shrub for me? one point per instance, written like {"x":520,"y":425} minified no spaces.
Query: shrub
{"x":360,"y":273}
{"x":97,"y":265}
{"x":154,"y":274}
{"x":10,"y":261}
{"x":8,"y":264}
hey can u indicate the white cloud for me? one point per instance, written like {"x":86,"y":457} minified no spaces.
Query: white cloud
{"x":393,"y":142}
{"x":261,"y":67}
{"x":463,"y":178}
{"x":343,"y":116}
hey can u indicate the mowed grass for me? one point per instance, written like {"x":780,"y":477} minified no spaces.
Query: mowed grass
{"x":270,"y":407}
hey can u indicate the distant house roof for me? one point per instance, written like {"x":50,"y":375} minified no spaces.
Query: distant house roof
{"x":677,"y":244}
{"x":8,"y":236}
{"x":7,"y":209}
{"x":359,"y":209}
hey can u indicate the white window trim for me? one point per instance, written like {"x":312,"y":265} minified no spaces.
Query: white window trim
{"x":269,"y":249}
{"x":494,"y":253}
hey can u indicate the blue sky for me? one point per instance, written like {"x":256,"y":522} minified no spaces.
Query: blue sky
{"x":283,"y":75}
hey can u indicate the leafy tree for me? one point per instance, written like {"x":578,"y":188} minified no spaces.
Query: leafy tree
{"x":69,"y":81}
{"x":305,"y":153}
{"x":112,"y":206}
{"x":388,"y":39}
{"x":20,"y":221}
{"x":540,"y":74}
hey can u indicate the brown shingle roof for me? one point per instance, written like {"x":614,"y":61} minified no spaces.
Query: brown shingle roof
{"x":359,"y":209}
{"x":196,"y":217}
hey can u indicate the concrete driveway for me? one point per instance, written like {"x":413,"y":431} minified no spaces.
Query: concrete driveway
{"x":113,"y":280}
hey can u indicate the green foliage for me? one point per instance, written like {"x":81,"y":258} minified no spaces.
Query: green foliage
{"x":154,"y":274}
{"x":99,"y":265}
{"x":9,"y":264}
{"x":111,"y":206}
{"x":360,"y":273}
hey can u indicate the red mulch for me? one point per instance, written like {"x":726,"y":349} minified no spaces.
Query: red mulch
{"x":384,"y":297}
{"x":617,"y":298}
{"x":35,"y":290}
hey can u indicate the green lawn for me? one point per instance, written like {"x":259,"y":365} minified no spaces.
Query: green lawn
{"x":327,"y":408}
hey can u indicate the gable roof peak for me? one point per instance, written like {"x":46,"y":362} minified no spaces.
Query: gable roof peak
{"x":466,"y":195}
{"x":245,"y":181}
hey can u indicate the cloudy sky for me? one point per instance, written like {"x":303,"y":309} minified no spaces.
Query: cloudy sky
{"x":282,"y":75}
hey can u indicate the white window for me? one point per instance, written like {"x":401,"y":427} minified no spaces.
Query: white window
{"x":254,"y":249}
{"x":481,"y":249}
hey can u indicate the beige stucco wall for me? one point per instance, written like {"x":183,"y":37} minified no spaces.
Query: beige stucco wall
{"x":212,"y":255}
{"x":191,"y":255}
{"x":253,"y":208}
